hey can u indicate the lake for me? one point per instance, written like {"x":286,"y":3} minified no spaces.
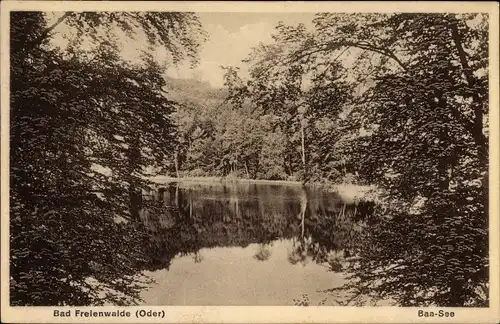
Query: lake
{"x":247,"y":243}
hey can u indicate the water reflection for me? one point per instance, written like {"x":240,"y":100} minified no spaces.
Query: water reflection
{"x":197,"y":232}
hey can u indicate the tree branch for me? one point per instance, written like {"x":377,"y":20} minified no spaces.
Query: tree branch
{"x":330,"y":64}
{"x":477,"y":126}
{"x":47,"y":31}
{"x":360,"y":45}
{"x":457,"y":39}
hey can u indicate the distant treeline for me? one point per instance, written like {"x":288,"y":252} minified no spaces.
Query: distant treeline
{"x":218,"y":138}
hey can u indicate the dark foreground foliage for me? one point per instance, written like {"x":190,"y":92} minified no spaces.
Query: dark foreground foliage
{"x":74,"y":238}
{"x":402,"y":100}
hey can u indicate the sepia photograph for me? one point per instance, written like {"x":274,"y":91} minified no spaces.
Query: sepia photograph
{"x":170,"y":156}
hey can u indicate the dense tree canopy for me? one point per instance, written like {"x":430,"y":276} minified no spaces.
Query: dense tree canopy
{"x":85,"y":125}
{"x":405,"y":100}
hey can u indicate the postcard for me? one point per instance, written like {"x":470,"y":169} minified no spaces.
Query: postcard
{"x":256,"y":162}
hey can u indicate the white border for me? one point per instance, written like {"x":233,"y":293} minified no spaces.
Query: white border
{"x":246,"y":314}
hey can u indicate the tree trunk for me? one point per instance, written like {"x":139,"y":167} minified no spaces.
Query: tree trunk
{"x":246,"y":169}
{"x":190,"y":200}
{"x":303,"y":208}
{"x":176,"y":163}
{"x":303,"y":146}
{"x":161,"y":194}
{"x":477,"y":125}
{"x":457,"y":293}
{"x":177,"y":195}
{"x":134,"y":162}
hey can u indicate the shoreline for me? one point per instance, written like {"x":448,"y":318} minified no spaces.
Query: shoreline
{"x":165,"y":179}
{"x":345,"y":190}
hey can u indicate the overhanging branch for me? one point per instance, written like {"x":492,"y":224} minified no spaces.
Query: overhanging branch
{"x":45,"y":33}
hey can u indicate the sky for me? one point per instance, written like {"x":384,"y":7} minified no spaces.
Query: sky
{"x":231,"y":38}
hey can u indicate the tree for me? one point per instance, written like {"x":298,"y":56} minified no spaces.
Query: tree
{"x":84,"y":127}
{"x":305,"y":98}
{"x":431,"y":157}
{"x":416,"y":126}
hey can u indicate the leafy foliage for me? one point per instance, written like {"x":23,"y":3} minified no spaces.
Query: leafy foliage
{"x":85,"y":125}
{"x":216,"y":138}
{"x":402,"y":101}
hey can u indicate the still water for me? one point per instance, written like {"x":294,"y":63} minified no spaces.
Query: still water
{"x":247,"y":243}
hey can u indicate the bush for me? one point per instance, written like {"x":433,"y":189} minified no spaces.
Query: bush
{"x":273,"y":173}
{"x":197,"y":173}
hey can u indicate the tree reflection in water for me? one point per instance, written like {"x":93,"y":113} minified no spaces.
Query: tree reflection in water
{"x":263,"y":253}
{"x":183,"y":218}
